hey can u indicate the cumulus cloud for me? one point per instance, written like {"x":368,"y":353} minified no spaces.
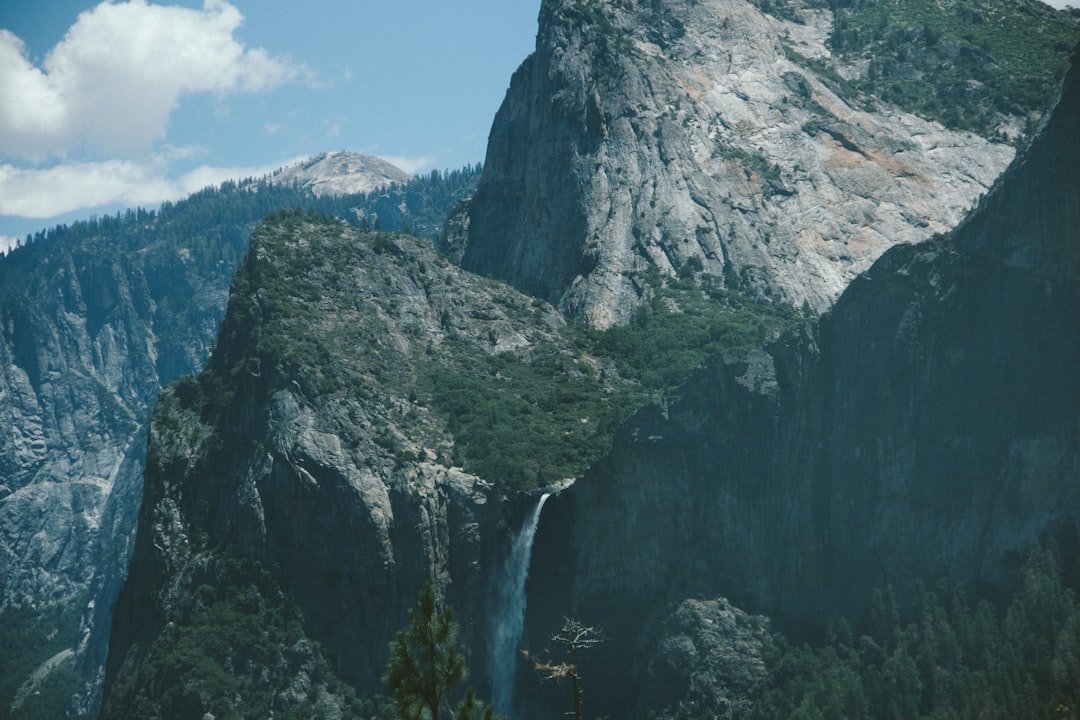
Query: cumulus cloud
{"x":45,"y":193}
{"x":120,"y":71}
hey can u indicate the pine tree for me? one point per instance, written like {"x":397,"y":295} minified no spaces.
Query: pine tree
{"x":426,"y":666}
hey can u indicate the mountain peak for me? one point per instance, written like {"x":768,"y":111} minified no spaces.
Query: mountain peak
{"x":342,"y":172}
{"x":712,"y":140}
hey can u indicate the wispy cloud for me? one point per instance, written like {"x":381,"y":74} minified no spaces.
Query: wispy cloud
{"x":75,"y":186}
{"x":111,"y":84}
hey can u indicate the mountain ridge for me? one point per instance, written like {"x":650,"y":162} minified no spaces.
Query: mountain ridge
{"x":94,"y":318}
{"x":923,"y":430}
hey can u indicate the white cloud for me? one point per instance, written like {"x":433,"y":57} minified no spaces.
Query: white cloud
{"x":31,"y":193}
{"x":120,"y":71}
{"x":206,"y":175}
{"x":7,"y":244}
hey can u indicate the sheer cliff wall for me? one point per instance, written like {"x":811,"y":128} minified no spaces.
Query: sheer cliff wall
{"x":928,"y":427}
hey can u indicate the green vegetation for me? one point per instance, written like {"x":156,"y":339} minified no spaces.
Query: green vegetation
{"x":683,"y":327}
{"x":753,"y":163}
{"x":521,"y":418}
{"x":524,"y":423}
{"x":426,"y":666}
{"x":30,"y":636}
{"x":237,"y":650}
{"x":530,"y":423}
{"x":965,"y":63}
{"x":938,"y":657}
{"x":969,"y":64}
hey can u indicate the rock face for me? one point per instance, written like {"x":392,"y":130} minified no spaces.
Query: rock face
{"x":709,"y":656}
{"x":89,"y":331}
{"x":342,"y":172}
{"x":695,"y":135}
{"x":94,"y":320}
{"x":303,"y":447}
{"x":83,"y":357}
{"x":927,"y":428}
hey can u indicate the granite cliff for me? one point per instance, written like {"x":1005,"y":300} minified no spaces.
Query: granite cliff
{"x":710,"y":137}
{"x":94,"y":319}
{"x":927,"y":427}
{"x":341,"y":172}
{"x":320,"y":444}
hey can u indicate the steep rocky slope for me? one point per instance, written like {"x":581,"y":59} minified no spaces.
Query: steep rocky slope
{"x":320,"y":443}
{"x":927,"y":428}
{"x":707,"y":137}
{"x":94,"y":319}
{"x":91,"y":329}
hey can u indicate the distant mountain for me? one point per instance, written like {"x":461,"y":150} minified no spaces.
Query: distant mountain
{"x":341,"y":172}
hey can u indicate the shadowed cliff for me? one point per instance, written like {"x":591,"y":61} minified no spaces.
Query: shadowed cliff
{"x":927,"y":428}
{"x":321,"y":451}
{"x":94,"y":318}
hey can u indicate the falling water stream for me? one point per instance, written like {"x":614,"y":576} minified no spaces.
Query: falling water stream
{"x":510,"y":614}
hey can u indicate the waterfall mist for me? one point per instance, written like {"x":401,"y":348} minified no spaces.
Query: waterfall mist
{"x":509,"y":618}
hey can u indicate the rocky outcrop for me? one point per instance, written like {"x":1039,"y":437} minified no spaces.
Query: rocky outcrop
{"x":696,"y":136}
{"x":709,"y":660}
{"x":94,"y":319}
{"x":81,"y":366}
{"x":341,"y":172}
{"x":926,"y":428}
{"x":90,"y":328}
{"x":309,"y":446}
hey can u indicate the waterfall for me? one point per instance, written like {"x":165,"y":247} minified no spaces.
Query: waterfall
{"x":509,"y":617}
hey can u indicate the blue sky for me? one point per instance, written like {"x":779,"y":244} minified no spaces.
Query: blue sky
{"x":117,"y":104}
